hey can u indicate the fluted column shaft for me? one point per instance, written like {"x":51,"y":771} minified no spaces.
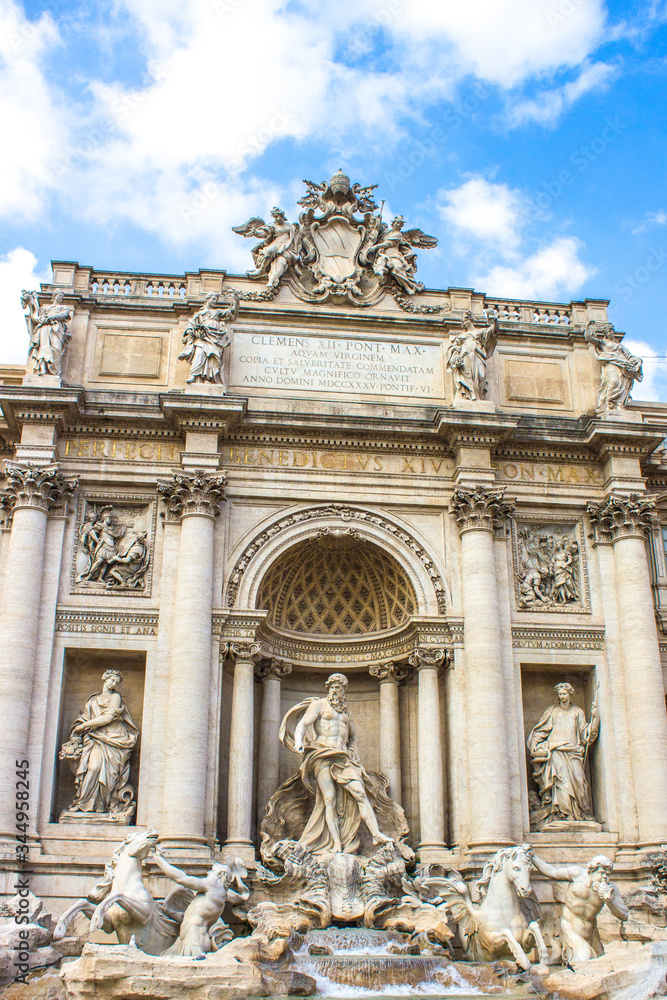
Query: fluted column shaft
{"x":625,"y":520}
{"x":31,"y":493}
{"x":268,"y":765}
{"x":389,"y":675}
{"x":429,"y":750}
{"x":478,"y":511}
{"x":241,"y":738}
{"x":195,"y":498}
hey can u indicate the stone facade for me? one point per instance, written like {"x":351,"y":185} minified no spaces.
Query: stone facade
{"x":339,"y":493}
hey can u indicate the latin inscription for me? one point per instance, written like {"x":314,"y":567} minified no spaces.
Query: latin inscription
{"x":119,"y":449}
{"x":338,"y":461}
{"x":532,"y":472}
{"x":336,"y":364}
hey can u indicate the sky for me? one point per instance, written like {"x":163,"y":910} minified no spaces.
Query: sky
{"x":529,"y":136}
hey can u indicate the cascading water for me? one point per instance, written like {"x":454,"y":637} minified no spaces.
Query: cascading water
{"x":355,"y":961}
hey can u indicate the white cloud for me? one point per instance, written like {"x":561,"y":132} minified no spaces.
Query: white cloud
{"x":654,"y":384}
{"x":32,"y":124}
{"x":650,"y":221}
{"x":507,"y":42}
{"x":548,"y":106}
{"x":485,"y":211}
{"x":552,"y":273}
{"x":18,"y":270}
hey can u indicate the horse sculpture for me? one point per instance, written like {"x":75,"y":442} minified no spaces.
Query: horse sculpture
{"x":505,"y":923}
{"x":121,"y":902}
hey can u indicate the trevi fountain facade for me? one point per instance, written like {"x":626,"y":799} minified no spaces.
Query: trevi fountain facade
{"x":333,"y":630}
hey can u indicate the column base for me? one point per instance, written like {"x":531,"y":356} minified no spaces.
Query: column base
{"x":243,"y":849}
{"x":433,"y":852}
{"x":190,"y":847}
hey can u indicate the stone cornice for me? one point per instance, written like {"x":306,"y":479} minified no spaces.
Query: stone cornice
{"x":193,"y":493}
{"x":480,"y":508}
{"x":621,"y":517}
{"x":35,"y":486}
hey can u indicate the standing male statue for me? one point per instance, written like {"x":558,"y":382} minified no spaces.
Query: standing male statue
{"x":332,"y":775}
{"x":558,"y":747}
{"x":588,"y":890}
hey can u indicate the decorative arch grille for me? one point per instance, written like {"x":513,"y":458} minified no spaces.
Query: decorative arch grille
{"x":330,"y":586}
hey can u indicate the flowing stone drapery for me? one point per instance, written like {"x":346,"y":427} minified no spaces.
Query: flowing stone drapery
{"x":271,"y":673}
{"x":32,"y":493}
{"x":479,"y":512}
{"x":195,"y":499}
{"x":390,"y":675}
{"x":429,"y":751}
{"x":239,"y":811}
{"x":625,"y":521}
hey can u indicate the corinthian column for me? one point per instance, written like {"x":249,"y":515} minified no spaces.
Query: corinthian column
{"x":625,"y":522}
{"x":271,"y":673}
{"x":195,"y":499}
{"x":478,"y":512}
{"x":390,"y":675}
{"x":239,"y":811}
{"x":429,"y":752}
{"x":32,"y":493}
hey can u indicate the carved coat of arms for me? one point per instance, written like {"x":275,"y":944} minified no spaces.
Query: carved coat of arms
{"x":340,"y":248}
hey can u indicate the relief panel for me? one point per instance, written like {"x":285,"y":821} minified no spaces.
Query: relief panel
{"x":550,"y":565}
{"x":113,"y":549}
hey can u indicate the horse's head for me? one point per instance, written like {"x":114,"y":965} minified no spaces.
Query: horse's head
{"x":517,"y":867}
{"x":26,"y":299}
{"x":140,"y":844}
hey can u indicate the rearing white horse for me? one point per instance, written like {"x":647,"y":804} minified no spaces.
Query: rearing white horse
{"x":505,"y":923}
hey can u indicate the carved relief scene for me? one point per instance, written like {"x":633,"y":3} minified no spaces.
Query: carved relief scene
{"x":549,"y":567}
{"x":113,"y":548}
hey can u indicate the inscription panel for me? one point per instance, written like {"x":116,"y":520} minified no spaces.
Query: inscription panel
{"x":308,"y":363}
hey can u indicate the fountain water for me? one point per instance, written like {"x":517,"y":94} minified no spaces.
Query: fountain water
{"x":357,"y":961}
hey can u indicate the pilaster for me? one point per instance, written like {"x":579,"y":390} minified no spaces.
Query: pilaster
{"x":241,"y":742}
{"x":271,"y":674}
{"x":390,"y":676}
{"x":429,"y":754}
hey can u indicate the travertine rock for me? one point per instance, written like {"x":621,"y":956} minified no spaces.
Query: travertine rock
{"x":123,"y":973}
{"x":631,"y":973}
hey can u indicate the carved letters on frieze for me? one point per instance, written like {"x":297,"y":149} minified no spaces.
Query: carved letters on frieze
{"x":113,"y":550}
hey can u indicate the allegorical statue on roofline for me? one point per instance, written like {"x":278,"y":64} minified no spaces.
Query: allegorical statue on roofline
{"x":339,"y":248}
{"x":331,"y":804}
{"x":48,"y":331}
{"x":205,"y":338}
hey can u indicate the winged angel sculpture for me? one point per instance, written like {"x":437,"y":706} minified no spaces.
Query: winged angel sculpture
{"x":340,"y":247}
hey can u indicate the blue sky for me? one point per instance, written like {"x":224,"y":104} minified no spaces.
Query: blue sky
{"x":528,"y":135}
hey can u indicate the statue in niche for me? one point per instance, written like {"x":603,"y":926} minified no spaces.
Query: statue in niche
{"x":558,"y":747}
{"x":393,"y":254}
{"x":202,"y":928}
{"x":112,"y":554}
{"x":466,"y":359}
{"x":588,"y":890}
{"x":280,"y":246}
{"x":323,"y":805}
{"x":548,"y":567}
{"x":98,"y":751}
{"x":48,"y":332}
{"x":620,"y":368}
{"x":205,"y":339}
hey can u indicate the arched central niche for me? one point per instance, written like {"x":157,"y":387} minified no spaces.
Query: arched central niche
{"x":336,"y":585}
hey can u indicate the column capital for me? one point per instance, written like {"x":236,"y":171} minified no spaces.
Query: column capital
{"x":37,"y":486}
{"x":481,"y":507}
{"x":273,"y":668}
{"x":248,"y":651}
{"x":423,"y":658}
{"x":621,"y":517}
{"x":393,"y":672}
{"x":195,"y":492}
